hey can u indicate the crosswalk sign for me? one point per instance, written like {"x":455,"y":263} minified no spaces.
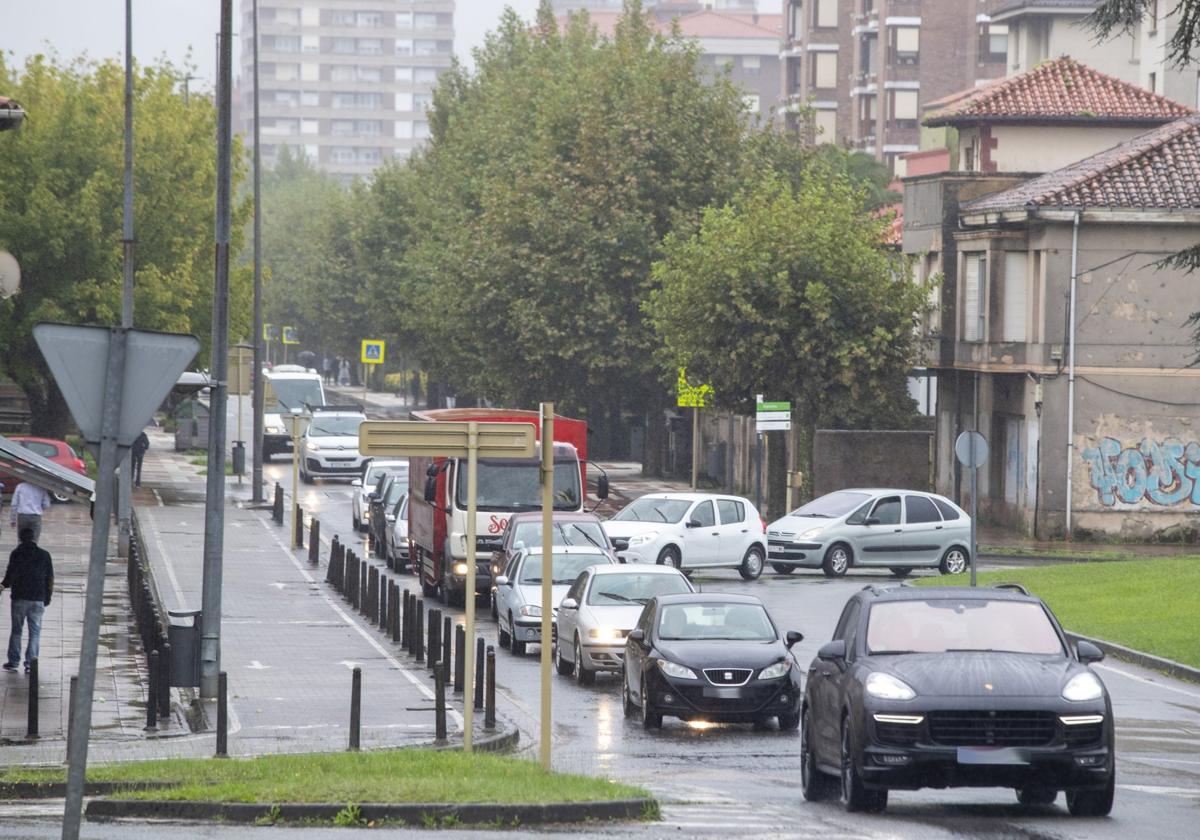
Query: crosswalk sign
{"x":270,"y":332}
{"x":290,"y":336}
{"x":372,"y":352}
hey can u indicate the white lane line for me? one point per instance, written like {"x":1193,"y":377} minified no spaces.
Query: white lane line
{"x":425,"y":690}
{"x":1143,"y":759}
{"x":157,"y":497}
{"x":1194,"y":695}
{"x":1162,"y":790}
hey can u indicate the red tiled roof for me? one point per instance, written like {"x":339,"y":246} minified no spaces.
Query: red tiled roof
{"x":1158,"y":170}
{"x":1061,"y":91}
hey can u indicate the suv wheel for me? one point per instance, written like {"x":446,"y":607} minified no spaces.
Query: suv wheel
{"x":1092,"y":803}
{"x":837,"y":560}
{"x":582,"y":674}
{"x":814,"y":784}
{"x":855,"y":794}
{"x":752,"y":563}
{"x":651,"y":719}
{"x":518,"y":648}
{"x":954,"y":561}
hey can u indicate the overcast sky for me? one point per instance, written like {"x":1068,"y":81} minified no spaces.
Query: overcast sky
{"x":173,"y":27}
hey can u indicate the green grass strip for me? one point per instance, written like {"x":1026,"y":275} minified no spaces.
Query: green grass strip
{"x":1147,"y":605}
{"x":393,"y":776}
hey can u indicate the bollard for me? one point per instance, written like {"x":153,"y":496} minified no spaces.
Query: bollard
{"x":394,"y":618}
{"x":418,"y":640}
{"x":447,"y":642}
{"x":277,"y":507}
{"x":439,"y":701}
{"x":339,"y":572}
{"x":363,"y":593}
{"x":385,"y":589}
{"x":31,"y":729}
{"x":152,"y":694}
{"x":371,"y":609}
{"x":71,"y":710}
{"x":406,"y":622}
{"x":352,"y":580}
{"x":460,"y":657}
{"x":479,"y":653}
{"x":164,"y":684}
{"x":355,"y":707}
{"x":222,"y":715}
{"x":299,"y":526}
{"x":489,"y":704}
{"x":433,"y":633}
{"x":314,"y":542}
{"x":333,"y":550}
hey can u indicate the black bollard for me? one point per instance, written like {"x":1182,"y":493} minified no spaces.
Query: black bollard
{"x":333,"y":550}
{"x":152,"y":694}
{"x":447,"y":642}
{"x":31,"y":728}
{"x":394,"y":618}
{"x":222,"y":715}
{"x":164,"y":684}
{"x":369,"y":609}
{"x":363,"y":568}
{"x":439,"y":698}
{"x":385,"y":591}
{"x":299,"y":527}
{"x":406,"y":621}
{"x":479,"y":653}
{"x":71,"y":710}
{"x":355,"y":707}
{"x":460,"y":657}
{"x":314,"y":542}
{"x":418,"y":627}
{"x":433,"y":632}
{"x":489,"y":704}
{"x":277,"y":505}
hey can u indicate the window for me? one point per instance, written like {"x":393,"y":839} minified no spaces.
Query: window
{"x":794,"y":20}
{"x":404,"y":20}
{"x":425,"y":20}
{"x":904,"y":108}
{"x":341,"y":19}
{"x":887,"y":511}
{"x":404,"y":46}
{"x":938,"y":626}
{"x":286,"y":98}
{"x":703,"y":513}
{"x":973,"y":265}
{"x":993,"y":42}
{"x":287,"y":17}
{"x":404,"y":74}
{"x":866,"y":64}
{"x":310,"y":99}
{"x":866,"y":113}
{"x":967,"y":158}
{"x":341,"y":128}
{"x":919,"y":509}
{"x":825,"y":14}
{"x":310,"y":71}
{"x":1015,"y":296}
{"x":824,"y":70}
{"x":751,"y":103}
{"x":426,"y":48}
{"x":826,"y":125}
{"x":421,"y":101}
{"x":403,"y":129}
{"x":342,"y":73}
{"x":310,"y":44}
{"x":369,"y":46}
{"x":905,"y":44}
{"x":369,"y":74}
{"x":284,"y":43}
{"x":731,"y":511}
{"x":404,"y":101}
{"x":946,"y":509}
{"x":832,"y":505}
{"x":366,"y":128}
{"x":357,"y":100}
{"x":1152,"y":86}
{"x":848,"y":620}
{"x":424,"y":75}
{"x":744,"y":622}
{"x":368,"y":20}
{"x":751,"y":64}
{"x":343,"y":46}
{"x":620,"y":589}
{"x":310,"y":126}
{"x":287,"y":72}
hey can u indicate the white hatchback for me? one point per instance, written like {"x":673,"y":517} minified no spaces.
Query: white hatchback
{"x":691,"y":531}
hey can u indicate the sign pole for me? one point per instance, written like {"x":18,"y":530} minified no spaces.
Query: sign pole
{"x":695,"y":444}
{"x":469,"y":593}
{"x":295,"y":478}
{"x":241,"y":387}
{"x":547,"y":574}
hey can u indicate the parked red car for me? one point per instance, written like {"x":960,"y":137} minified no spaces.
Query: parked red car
{"x":57,"y":451}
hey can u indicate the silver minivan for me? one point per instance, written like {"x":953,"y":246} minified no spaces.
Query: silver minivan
{"x":900,"y":530}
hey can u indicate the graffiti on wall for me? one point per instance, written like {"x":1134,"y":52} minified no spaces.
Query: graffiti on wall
{"x":1162,"y":473}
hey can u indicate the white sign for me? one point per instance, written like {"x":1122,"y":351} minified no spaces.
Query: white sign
{"x":773,"y":426}
{"x":971,"y":449}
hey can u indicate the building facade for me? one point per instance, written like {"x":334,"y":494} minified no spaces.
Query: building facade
{"x":345,"y":82}
{"x":857,"y":72}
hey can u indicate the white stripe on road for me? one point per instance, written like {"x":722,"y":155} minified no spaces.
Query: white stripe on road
{"x":1194,"y":695}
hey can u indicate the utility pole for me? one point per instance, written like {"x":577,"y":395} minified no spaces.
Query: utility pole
{"x":124,"y":479}
{"x":256,"y":402}
{"x":214,"y":508}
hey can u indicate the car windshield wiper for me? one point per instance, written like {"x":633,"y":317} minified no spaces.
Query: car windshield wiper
{"x":617,"y":597}
{"x":817,"y":515}
{"x":586,"y":535}
{"x":895,"y":652}
{"x":984,"y":650}
{"x":661,"y":515}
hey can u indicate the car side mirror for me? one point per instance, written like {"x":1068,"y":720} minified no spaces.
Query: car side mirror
{"x":638,"y":635}
{"x":872,"y":520}
{"x":502,"y":580}
{"x":1088,"y":652}
{"x":834,"y":651}
{"x":602,"y":487}
{"x":357,"y":482}
{"x":569,"y":604}
{"x":793,"y":637}
{"x":692,"y":523}
{"x":431,"y":489}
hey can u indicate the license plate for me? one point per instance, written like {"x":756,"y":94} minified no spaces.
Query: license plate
{"x":992,"y":755}
{"x":723,"y":693}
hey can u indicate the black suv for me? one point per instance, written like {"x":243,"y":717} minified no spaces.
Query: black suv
{"x":954,"y":687}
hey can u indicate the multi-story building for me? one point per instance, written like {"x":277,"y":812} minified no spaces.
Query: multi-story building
{"x":346,"y":82}
{"x":562,"y":6}
{"x":856,"y":72}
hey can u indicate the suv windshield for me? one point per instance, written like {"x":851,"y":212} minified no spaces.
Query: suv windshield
{"x":634,"y":588}
{"x":376,"y":470}
{"x":335,"y":426}
{"x":646,"y":509}
{"x":566,"y":567}
{"x":941,"y":625}
{"x":565,"y":533}
{"x":745,"y":622}
{"x":833,"y":505}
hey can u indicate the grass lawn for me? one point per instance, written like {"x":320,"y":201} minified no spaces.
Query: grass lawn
{"x":1148,"y":605}
{"x":393,"y":776}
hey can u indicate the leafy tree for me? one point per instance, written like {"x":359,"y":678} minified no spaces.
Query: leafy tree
{"x":787,"y":290}
{"x":61,"y":212}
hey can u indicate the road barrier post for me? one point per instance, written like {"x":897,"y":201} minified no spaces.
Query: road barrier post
{"x":460,"y":657}
{"x":277,"y":506}
{"x":479,"y":655}
{"x":385,"y":588}
{"x":394,"y":618}
{"x":299,"y":527}
{"x":152,"y":693}
{"x":164,"y":684}
{"x":489,"y":703}
{"x":372,"y":605}
{"x":447,"y":642}
{"x":355,"y":707}
{"x":419,"y":641}
{"x":31,"y":728}
{"x":434,"y":632}
{"x":333,"y":550}
{"x":222,"y":715}
{"x":439,"y":697}
{"x":314,"y":542}
{"x":406,"y":621}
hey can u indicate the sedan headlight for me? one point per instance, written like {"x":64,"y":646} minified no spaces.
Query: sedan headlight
{"x":887,"y":687}
{"x":812,"y":532}
{"x":531,"y":611}
{"x":1084,"y":686}
{"x":605,"y":634}
{"x":460,"y":569}
{"x":274,"y":430}
{"x":313,"y":445}
{"x":774,"y":672}
{"x":642,"y":539}
{"x":677,"y":671}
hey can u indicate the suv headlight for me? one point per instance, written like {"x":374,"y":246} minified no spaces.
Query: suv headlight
{"x":531,"y":611}
{"x":774,"y":672}
{"x":1084,"y":686}
{"x":642,"y":539}
{"x":886,"y":687}
{"x":605,"y":634}
{"x":679,"y":672}
{"x":313,"y":445}
{"x":274,"y":430}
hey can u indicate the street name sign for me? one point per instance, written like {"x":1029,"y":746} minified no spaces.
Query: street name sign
{"x":773,"y":417}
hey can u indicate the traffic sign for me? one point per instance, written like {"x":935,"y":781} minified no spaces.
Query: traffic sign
{"x":692,"y":396}
{"x":773,"y":425}
{"x":372,"y":351}
{"x":10,"y":275}
{"x":773,"y":406}
{"x":270,"y":332}
{"x":402,"y":438}
{"x":971,"y":449}
{"x":290,"y":336}
{"x":773,"y":416}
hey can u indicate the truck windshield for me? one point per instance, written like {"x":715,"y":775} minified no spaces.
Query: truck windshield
{"x":286,"y":395}
{"x":516,"y":485}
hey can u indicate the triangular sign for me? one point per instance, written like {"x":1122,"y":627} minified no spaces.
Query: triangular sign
{"x":78,"y":359}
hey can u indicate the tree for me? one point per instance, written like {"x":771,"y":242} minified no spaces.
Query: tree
{"x":787,"y":290}
{"x":61,"y":212}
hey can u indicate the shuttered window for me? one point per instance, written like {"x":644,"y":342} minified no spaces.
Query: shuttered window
{"x":1015,"y":296}
{"x":972,"y":297}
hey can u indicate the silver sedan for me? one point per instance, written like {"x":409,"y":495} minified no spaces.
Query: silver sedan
{"x":900,"y":530}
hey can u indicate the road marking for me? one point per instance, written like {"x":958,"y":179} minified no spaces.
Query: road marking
{"x":349,"y":664}
{"x":1162,"y":790}
{"x":1194,"y":695}
{"x":278,"y":585}
{"x":255,"y":665}
{"x":157,"y":497}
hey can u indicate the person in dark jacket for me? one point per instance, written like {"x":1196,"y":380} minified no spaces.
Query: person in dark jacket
{"x":30,"y":576}
{"x":136,"y":453}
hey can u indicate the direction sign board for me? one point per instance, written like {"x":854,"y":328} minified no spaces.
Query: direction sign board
{"x":290,"y":336}
{"x":372,"y":351}
{"x":773,"y":417}
{"x":402,"y":438}
{"x":971,"y":450}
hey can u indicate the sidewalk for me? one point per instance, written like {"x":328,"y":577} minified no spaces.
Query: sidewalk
{"x":390,"y":405}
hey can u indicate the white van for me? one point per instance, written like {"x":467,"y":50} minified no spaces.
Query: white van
{"x":289,"y":388}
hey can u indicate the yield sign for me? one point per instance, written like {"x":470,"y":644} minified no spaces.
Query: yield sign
{"x":78,"y":360}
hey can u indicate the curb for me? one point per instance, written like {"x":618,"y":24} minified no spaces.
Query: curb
{"x":416,"y":814}
{"x":1157,"y":663}
{"x":58,"y":790}
{"x":504,"y":740}
{"x":1017,"y":557}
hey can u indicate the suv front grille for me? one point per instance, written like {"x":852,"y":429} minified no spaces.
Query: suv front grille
{"x":728,"y":676}
{"x":992,"y":728}
{"x":897,"y":734}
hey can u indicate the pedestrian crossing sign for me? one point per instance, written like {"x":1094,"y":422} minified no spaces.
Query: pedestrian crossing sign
{"x":372,"y":351}
{"x":290,"y":336}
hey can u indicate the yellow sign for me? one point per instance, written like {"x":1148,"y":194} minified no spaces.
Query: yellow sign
{"x":290,"y":336}
{"x":372,"y":352}
{"x":692,"y":396}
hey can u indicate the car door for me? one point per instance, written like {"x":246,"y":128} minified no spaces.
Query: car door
{"x":922,"y":531}
{"x":735,"y":530}
{"x":504,"y":594}
{"x":701,"y":536}
{"x":881,"y":539}
{"x":828,"y":677}
{"x":635,"y":652}
{"x":568,"y":619}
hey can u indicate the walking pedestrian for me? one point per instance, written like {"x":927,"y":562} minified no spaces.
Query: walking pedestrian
{"x":327,"y":370}
{"x":344,"y":372}
{"x":136,"y":454}
{"x":28,"y":502}
{"x":30,"y":576}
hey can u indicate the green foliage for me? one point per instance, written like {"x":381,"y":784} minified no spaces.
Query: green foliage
{"x":271,"y":817}
{"x":61,"y":211}
{"x":350,"y":816}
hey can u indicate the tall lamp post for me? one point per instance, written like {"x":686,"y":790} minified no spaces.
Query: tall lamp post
{"x":256,"y":470}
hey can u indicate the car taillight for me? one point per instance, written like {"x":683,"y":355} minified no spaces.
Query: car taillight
{"x":80,"y":466}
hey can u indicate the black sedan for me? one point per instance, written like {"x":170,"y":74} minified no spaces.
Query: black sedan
{"x":711,"y":658}
{"x":952,"y":687}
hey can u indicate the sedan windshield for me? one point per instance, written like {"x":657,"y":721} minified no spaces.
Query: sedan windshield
{"x":335,"y":427}
{"x":566,"y":567}
{"x":961,"y":625}
{"x":565,"y":533}
{"x":832,"y":505}
{"x":634,"y":588}
{"x":653,"y":510}
{"x":744,"y":622}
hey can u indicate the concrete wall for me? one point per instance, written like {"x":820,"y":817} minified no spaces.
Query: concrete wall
{"x":872,"y":459}
{"x":1027,"y":148}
